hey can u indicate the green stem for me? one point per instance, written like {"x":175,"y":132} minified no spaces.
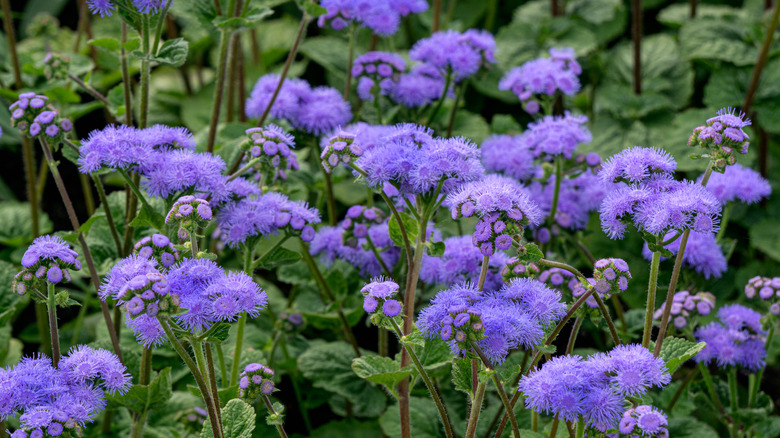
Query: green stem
{"x":144,"y":377}
{"x":534,"y":421}
{"x":556,"y":190}
{"x":681,"y":389}
{"x":213,"y":380}
{"x":126,"y":79}
{"x":243,"y":169}
{"x":500,"y":388}
{"x":476,"y":407}
{"x":760,"y":374}
{"x":107,"y":210}
{"x":458,"y":97}
{"x":74,"y":221}
{"x":378,"y":108}
{"x":130,"y":183}
{"x":432,"y":389}
{"x":607,"y":318}
{"x":575,"y":329}
{"x":483,"y":272}
{"x":707,"y":377}
{"x":51,"y":305}
{"x":580,"y":429}
{"x":761,"y":62}
{"x":216,"y":425}
{"x":381,"y":262}
{"x":383,"y":343}
{"x":222,"y":367}
{"x":270,"y":407}
{"x":225,"y":38}
{"x":554,"y":428}
{"x":160,"y":21}
{"x":650,"y":307}
{"x":248,"y":261}
{"x":193,"y":244}
{"x":447,"y":83}
{"x":724,"y":221}
{"x":734,"y":400}
{"x":145,"y":72}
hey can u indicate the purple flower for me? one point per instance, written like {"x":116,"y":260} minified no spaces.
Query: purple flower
{"x":256,"y":380}
{"x":577,"y":198}
{"x":686,"y":305}
{"x":645,"y":420}
{"x":422,"y":85}
{"x":557,"y":135}
{"x":321,"y":111}
{"x":736,"y":340}
{"x":543,"y":76}
{"x":511,"y":155}
{"x":149,"y":6}
{"x":287,"y":103}
{"x":330,"y":246}
{"x":636,"y":165}
{"x":739,"y":183}
{"x":452,"y":52}
{"x":722,"y":136}
{"x":174,"y":171}
{"x":543,"y":304}
{"x":239,"y":288}
{"x":103,"y":7}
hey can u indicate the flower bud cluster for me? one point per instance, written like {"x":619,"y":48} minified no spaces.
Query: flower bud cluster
{"x":356,"y":224}
{"x":767,"y":289}
{"x":686,"y":305}
{"x":341,"y":148}
{"x":274,"y":148}
{"x":190,"y":214}
{"x":148,"y":294}
{"x":514,"y":268}
{"x":256,"y":381}
{"x":611,"y":275}
{"x":159,"y":248}
{"x":378,"y":294}
{"x":48,"y":258}
{"x":722,"y":136}
{"x":33,"y":117}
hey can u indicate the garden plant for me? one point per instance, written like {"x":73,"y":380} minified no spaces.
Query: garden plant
{"x":389,"y":218}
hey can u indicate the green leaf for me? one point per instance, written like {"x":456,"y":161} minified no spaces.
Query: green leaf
{"x":768,"y":428}
{"x":532,"y":253}
{"x":16,"y":225}
{"x":357,"y":429}
{"x":279,"y":257}
{"x":141,"y":398}
{"x":461,"y":375}
{"x":410,"y":224}
{"x":236,"y":23}
{"x":678,"y":14}
{"x":382,"y":370}
{"x":238,"y":421}
{"x":689,"y":427}
{"x":415,"y":338}
{"x":718,"y":40}
{"x":110,"y":44}
{"x":275,"y":419}
{"x":172,"y":52}
{"x":148,"y":216}
{"x":329,"y":366}
{"x":328,"y":51}
{"x":313,"y":9}
{"x":765,"y":235}
{"x":435,"y":249}
{"x":675,"y":351}
{"x":217,"y":333}
{"x":425,"y":420}
{"x":132,"y":44}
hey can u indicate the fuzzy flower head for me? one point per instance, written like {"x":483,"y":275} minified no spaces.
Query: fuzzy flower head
{"x":169,"y":172}
{"x":422,"y":85}
{"x":557,"y":135}
{"x":378,"y":67}
{"x":510,"y":155}
{"x":102,"y":7}
{"x":637,"y":165}
{"x":379,"y":295}
{"x":359,"y":219}
{"x":768,"y":289}
{"x":266,"y":214}
{"x":158,"y":247}
{"x":455,"y":53}
{"x":739,"y":184}
{"x":382,"y":17}
{"x":503,"y":209}
{"x":148,"y":294}
{"x":47,"y":259}
{"x":190,"y":213}
{"x":515,"y":268}
{"x":330,"y":245}
{"x":543,"y":304}
{"x":578,"y":197}
{"x":737,"y":339}
{"x":543,"y":77}
{"x":415,"y":162}
{"x":686,"y":305}
{"x":321,"y":111}
{"x":287,"y":103}
{"x":270,"y":149}
{"x":255,"y":381}
{"x":60,"y":401}
{"x":234,"y":293}
{"x":611,"y":275}
{"x":33,"y":117}
{"x":644,"y":420}
{"x":721,"y":137}
{"x":340,"y":149}
{"x":460,"y":262}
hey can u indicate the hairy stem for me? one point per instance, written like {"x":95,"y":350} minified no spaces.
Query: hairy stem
{"x":248,"y":262}
{"x":223,"y":67}
{"x":270,"y":407}
{"x":483,"y":272}
{"x":761,"y":62}
{"x":757,"y":381}
{"x":607,"y":318}
{"x":707,"y":377}
{"x":636,"y":37}
{"x":51,"y":305}
{"x":500,"y":388}
{"x":575,"y":329}
{"x":650,"y":307}
{"x":476,"y":407}
{"x":458,"y":98}
{"x":126,"y":79}
{"x":556,"y":190}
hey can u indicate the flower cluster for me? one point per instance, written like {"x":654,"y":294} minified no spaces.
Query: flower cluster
{"x":578,"y":196}
{"x":256,"y":380}
{"x":456,"y":54}
{"x":202,"y":290}
{"x":514,"y":268}
{"x":767,"y":289}
{"x":735,"y":340}
{"x":55,"y":66}
{"x":739,"y":184}
{"x":190,"y":214}
{"x":357,"y":222}
{"x":702,"y":254}
{"x":60,"y":401}
{"x":158,"y":247}
{"x":653,"y":201}
{"x":510,"y":155}
{"x":378,"y":294}
{"x":593,"y":389}
{"x":502,"y":206}
{"x":33,"y":117}
{"x":272,"y":147}
{"x":557,"y":135}
{"x":381,"y":16}
{"x":685,"y":305}
{"x":610,"y":275}
{"x":377,"y":72}
{"x":329,"y":244}
{"x":543,"y":76}
{"x":340,"y":148}
{"x":416,"y":163}
{"x":497,"y":322}
{"x":643,"y":420}
{"x":460,"y":262}
{"x":420,"y":86}
{"x":557,"y":278}
{"x":315,"y":111}
{"x":266,"y":214}
{"x":721,"y":136}
{"x":48,"y":256}
{"x":106,"y":7}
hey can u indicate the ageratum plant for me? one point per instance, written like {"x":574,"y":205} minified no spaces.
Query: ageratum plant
{"x":399,"y":218}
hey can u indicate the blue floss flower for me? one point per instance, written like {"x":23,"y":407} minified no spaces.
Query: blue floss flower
{"x":685,"y":306}
{"x":738,"y":184}
{"x":702,"y":253}
{"x":460,"y":262}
